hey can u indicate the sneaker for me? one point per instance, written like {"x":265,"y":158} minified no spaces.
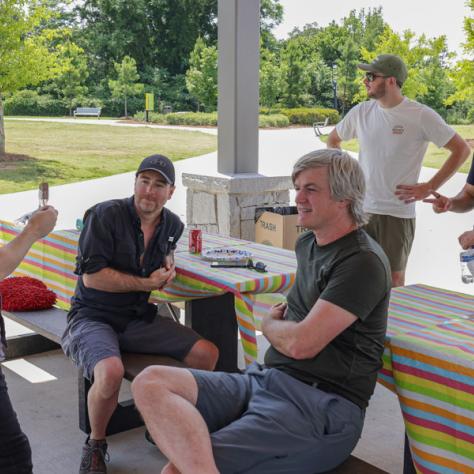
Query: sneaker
{"x":94,"y":457}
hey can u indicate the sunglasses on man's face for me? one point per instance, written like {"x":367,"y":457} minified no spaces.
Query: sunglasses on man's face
{"x":371,"y":76}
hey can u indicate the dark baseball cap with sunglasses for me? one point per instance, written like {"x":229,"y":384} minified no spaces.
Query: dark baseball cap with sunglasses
{"x":387,"y":65}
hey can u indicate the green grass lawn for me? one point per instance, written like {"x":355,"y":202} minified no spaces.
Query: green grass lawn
{"x":62,"y":153}
{"x":435,"y":157}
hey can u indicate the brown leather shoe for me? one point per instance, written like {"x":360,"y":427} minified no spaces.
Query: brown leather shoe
{"x":94,"y":457}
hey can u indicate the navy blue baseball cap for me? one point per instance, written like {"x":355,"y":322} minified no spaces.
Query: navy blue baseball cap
{"x":159,"y":163}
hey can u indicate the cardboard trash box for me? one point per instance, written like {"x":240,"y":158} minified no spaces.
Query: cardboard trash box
{"x":277,"y":226}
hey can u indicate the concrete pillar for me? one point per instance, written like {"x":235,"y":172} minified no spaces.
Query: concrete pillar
{"x":238,"y":81}
{"x":225,"y":203}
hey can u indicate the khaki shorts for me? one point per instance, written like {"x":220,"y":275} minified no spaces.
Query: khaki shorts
{"x":395,"y":235}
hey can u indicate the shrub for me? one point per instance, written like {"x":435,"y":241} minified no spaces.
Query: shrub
{"x":306,"y":116}
{"x":153,"y":117}
{"x":29,"y":102}
{"x":192,"y":118}
{"x":275,"y":120}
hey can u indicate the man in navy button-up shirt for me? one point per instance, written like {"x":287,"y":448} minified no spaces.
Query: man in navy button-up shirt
{"x":125,"y":252}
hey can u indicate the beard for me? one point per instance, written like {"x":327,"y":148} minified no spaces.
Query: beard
{"x":376,"y":92}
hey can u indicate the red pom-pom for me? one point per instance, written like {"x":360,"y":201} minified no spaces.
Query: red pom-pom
{"x":25,"y":294}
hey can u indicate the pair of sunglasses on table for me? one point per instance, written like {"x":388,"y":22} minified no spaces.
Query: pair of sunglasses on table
{"x":257,"y":266}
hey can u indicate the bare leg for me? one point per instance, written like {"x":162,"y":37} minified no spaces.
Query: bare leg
{"x":166,"y":398}
{"x":398,"y":278}
{"x":203,"y":355}
{"x":103,"y":395}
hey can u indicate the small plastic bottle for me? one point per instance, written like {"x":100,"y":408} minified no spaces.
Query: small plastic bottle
{"x":467,"y":265}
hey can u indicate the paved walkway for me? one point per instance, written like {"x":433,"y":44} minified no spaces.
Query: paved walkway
{"x":435,"y":256}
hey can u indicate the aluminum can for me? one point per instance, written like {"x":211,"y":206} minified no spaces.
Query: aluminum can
{"x":195,"y":241}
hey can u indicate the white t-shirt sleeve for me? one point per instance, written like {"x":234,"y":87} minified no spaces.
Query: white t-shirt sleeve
{"x":435,"y":129}
{"x":346,"y":128}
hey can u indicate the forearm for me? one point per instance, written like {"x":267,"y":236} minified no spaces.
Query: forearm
{"x":280,"y":334}
{"x":114,"y":281}
{"x":13,"y":253}
{"x":459,"y":154}
{"x":334,"y":140}
{"x":291,"y":338}
{"x":464,"y":201}
{"x":450,"y":167}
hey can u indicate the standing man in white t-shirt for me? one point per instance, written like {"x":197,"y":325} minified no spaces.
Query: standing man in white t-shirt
{"x":394,"y":133}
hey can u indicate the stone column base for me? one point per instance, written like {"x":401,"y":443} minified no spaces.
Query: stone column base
{"x":226,"y":204}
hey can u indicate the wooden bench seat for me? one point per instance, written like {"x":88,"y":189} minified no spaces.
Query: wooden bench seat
{"x":49,"y":326}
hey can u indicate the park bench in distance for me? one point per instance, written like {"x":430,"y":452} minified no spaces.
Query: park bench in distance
{"x":87,"y":112}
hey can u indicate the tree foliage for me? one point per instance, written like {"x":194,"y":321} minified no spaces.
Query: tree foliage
{"x":168,"y":47}
{"x":463,"y":72}
{"x":70,"y":83}
{"x":201,"y":77}
{"x":25,"y":54}
{"x":126,"y":85}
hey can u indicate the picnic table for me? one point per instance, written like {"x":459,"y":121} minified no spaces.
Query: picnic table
{"x":429,"y":351}
{"x":52,"y":260}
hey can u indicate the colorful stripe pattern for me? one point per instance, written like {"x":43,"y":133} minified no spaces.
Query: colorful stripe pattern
{"x":52,"y":260}
{"x":196,"y":279}
{"x":433,"y":372}
{"x":417,"y":307}
{"x":429,"y":363}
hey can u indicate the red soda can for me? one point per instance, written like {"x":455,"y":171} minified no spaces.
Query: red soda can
{"x":195,"y":241}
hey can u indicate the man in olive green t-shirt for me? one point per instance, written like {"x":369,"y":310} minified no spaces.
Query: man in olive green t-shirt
{"x":303,"y":411}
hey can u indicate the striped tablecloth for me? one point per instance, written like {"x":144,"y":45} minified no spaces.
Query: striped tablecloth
{"x":52,"y":260}
{"x":414,"y":308}
{"x":196,"y":279}
{"x":429,"y":364}
{"x":433,"y":372}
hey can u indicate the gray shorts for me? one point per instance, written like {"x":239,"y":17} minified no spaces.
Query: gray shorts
{"x":265,"y":421}
{"x":395,"y":235}
{"x":86,"y":342}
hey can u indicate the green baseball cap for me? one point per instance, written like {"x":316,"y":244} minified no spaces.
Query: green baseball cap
{"x":389,"y":65}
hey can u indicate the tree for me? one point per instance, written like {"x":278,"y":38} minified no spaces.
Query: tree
{"x":463,"y":73}
{"x":126,"y":84}
{"x":159,"y":33}
{"x":426,"y":61}
{"x":347,"y":73}
{"x":295,"y":73}
{"x":70,"y":84}
{"x":25,"y":56}
{"x":434,"y":69}
{"x":201,"y":77}
{"x":271,"y":79}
